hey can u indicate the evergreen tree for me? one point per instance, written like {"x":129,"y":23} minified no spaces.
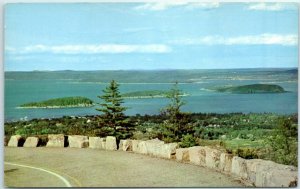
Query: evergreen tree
{"x":177,"y":123}
{"x":173,"y":109}
{"x":284,"y":142}
{"x":114,"y":120}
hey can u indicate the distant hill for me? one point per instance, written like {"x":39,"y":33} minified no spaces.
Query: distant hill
{"x":157,"y":76}
{"x":255,"y":88}
{"x":292,"y":71}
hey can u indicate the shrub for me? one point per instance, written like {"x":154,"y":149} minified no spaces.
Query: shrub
{"x":282,"y":147}
{"x":246,"y":153}
{"x":187,"y":141}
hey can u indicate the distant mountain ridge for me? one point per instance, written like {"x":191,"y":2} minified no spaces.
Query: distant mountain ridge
{"x":155,"y":76}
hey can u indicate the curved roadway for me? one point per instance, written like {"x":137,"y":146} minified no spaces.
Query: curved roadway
{"x":58,"y":167}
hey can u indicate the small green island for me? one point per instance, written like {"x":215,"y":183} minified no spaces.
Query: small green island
{"x":149,"y":94}
{"x":254,"y":88}
{"x":65,"y":102}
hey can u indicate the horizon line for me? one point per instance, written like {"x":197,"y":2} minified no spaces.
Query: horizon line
{"x":163,"y":69}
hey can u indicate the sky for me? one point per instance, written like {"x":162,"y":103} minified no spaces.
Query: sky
{"x":156,"y":35}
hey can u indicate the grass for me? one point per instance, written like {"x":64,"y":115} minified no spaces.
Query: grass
{"x":238,"y":143}
{"x":234,"y":143}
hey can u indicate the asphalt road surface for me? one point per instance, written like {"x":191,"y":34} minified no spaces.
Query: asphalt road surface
{"x":65,"y":167}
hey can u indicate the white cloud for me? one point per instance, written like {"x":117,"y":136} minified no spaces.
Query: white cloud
{"x":198,"y":5}
{"x":272,"y":6}
{"x":266,"y":39}
{"x":159,"y":6}
{"x":263,"y":39}
{"x":94,"y":49}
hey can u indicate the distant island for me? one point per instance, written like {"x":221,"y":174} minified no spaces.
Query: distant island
{"x":66,"y":102}
{"x":149,"y":94}
{"x":254,"y":88}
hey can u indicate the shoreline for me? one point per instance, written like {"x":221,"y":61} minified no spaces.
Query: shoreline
{"x":56,"y":107}
{"x":154,"y":96}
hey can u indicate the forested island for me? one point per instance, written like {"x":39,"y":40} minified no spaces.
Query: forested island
{"x":65,"y":102}
{"x":254,"y":88}
{"x":149,"y":94}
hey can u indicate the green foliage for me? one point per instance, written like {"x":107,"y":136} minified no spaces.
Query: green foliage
{"x":266,"y":136}
{"x":152,"y":93}
{"x":113,"y":113}
{"x":65,"y":125}
{"x":148,"y":130}
{"x":203,"y":142}
{"x":149,"y":94}
{"x":244,"y":143}
{"x":173,"y":109}
{"x":178,"y":122}
{"x":61,"y":102}
{"x":246,"y":153}
{"x":187,"y":141}
{"x":282,"y":146}
{"x":255,"y":88}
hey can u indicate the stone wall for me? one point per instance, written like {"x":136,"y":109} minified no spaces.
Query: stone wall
{"x":155,"y":148}
{"x":125,"y":145}
{"x":97,"y":142}
{"x":31,"y":142}
{"x":111,"y":143}
{"x":78,"y":141}
{"x":258,"y":172}
{"x":182,"y":155}
{"x":56,"y":140}
{"x":16,"y":141}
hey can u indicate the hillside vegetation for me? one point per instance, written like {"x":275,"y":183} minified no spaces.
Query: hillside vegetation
{"x":245,"y":135}
{"x":157,"y":76}
{"x":255,"y":88}
{"x":60,"y":103}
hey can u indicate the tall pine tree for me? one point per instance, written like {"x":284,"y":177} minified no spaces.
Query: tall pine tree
{"x":173,"y":109}
{"x":113,"y":112}
{"x":177,"y":124}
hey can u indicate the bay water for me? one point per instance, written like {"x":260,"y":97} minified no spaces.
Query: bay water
{"x":200,"y":98}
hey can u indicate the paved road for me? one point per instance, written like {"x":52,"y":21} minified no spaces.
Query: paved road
{"x":97,"y":168}
{"x":20,"y":175}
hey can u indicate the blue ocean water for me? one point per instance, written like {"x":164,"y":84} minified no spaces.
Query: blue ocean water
{"x":200,"y":99}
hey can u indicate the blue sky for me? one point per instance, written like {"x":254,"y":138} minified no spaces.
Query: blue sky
{"x":161,"y":35}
